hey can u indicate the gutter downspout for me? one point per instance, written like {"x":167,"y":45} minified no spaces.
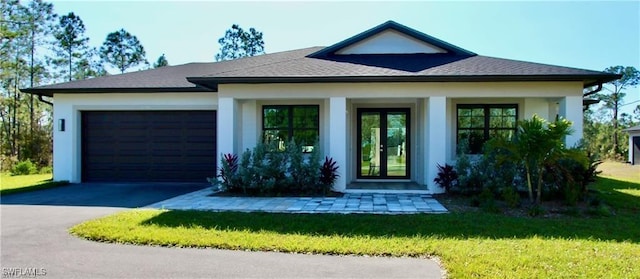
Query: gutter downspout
{"x":585,"y":106}
{"x":598,"y":89}
{"x":44,"y":101}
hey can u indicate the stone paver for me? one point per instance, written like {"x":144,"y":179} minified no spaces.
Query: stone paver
{"x":373,"y":203}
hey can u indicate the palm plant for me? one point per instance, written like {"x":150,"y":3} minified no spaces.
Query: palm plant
{"x":538,"y":144}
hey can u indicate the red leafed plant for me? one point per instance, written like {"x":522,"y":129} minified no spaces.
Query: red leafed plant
{"x":228,"y":168}
{"x":329,"y":171}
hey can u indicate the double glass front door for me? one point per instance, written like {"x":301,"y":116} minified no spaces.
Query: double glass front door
{"x":383,"y":143}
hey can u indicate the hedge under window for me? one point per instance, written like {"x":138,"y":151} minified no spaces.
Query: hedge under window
{"x":300,"y":122}
{"x":478,"y":123}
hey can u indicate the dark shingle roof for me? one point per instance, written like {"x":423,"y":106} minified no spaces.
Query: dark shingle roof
{"x":318,"y":64}
{"x":164,"y":79}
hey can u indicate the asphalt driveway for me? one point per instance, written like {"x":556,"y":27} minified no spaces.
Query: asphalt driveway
{"x":34,"y":240}
{"x":104,"y":194}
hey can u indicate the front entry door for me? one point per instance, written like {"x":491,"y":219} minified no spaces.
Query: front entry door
{"x":383,"y":143}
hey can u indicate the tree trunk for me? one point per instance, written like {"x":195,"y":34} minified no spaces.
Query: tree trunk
{"x":539,"y":193}
{"x":70,"y":63}
{"x":527,"y":169}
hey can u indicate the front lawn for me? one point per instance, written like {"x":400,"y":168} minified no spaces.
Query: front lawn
{"x":469,"y":244}
{"x":22,"y":183}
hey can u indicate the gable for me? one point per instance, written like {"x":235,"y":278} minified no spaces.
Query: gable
{"x":390,"y":38}
{"x":390,"y":42}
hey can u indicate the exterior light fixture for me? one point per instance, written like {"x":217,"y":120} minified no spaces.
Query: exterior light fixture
{"x":61,"y":124}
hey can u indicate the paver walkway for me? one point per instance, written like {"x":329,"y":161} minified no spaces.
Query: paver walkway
{"x":371,"y":203}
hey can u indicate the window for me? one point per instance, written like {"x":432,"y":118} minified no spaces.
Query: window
{"x":299,"y":122}
{"x":479,"y":123}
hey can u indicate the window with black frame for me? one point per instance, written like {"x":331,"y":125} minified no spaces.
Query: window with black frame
{"x":281,"y":123}
{"x":476,"y":124}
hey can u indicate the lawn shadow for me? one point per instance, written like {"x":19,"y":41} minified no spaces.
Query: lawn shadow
{"x":612,"y":191}
{"x":621,"y":227}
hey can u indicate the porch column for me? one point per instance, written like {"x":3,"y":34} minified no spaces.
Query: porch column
{"x":248,"y":122}
{"x":436,"y":143}
{"x":338,"y":139}
{"x":226,"y":128}
{"x":571,"y":109}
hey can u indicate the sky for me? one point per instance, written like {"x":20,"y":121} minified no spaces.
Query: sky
{"x":582,"y":34}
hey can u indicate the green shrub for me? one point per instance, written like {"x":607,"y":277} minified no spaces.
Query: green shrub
{"x":535,"y":210}
{"x":470,"y":178}
{"x":24,"y":168}
{"x":46,"y":170}
{"x":270,"y":171}
{"x":511,"y":197}
{"x":568,"y":178}
{"x":488,"y":201}
{"x":602,"y":210}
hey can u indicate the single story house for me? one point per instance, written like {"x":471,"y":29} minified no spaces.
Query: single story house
{"x":634,"y":145}
{"x":388,"y":105}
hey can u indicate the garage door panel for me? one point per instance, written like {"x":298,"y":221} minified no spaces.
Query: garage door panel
{"x":148,"y":145}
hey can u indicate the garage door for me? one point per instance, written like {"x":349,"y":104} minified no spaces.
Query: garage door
{"x":157,"y":146}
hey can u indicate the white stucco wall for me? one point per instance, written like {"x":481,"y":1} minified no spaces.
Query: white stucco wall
{"x":432,"y":107}
{"x":430,"y":123}
{"x":67,"y":144}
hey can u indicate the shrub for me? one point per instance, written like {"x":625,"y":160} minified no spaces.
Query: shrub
{"x":568,"y":178}
{"x":602,"y":210}
{"x":46,"y":170}
{"x":486,"y":171}
{"x":511,"y":197}
{"x":7,"y":163}
{"x":24,"y":168}
{"x":447,"y":177}
{"x":535,"y":210}
{"x":267,"y":170}
{"x":487,"y":201}
{"x":469,"y":176}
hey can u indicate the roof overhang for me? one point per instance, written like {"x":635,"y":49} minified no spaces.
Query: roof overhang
{"x":50,"y":91}
{"x":632,"y":129}
{"x":213,"y":82}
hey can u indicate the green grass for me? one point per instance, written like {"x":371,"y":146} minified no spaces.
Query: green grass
{"x":469,"y":244}
{"x":23,"y":183}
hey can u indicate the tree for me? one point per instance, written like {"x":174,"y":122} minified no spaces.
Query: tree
{"x":161,"y":62}
{"x":89,"y":66}
{"x":238,"y":43}
{"x":613,"y":100}
{"x":70,"y":40}
{"x":122,"y":50}
{"x":24,"y":42}
{"x":41,"y":19}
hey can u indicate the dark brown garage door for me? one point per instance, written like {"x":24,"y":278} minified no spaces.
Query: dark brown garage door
{"x":158,"y":146}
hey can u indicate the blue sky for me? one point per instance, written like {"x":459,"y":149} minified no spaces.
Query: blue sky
{"x":581,"y":34}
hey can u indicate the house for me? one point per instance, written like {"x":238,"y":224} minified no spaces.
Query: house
{"x":634,"y":144}
{"x":388,"y":105}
